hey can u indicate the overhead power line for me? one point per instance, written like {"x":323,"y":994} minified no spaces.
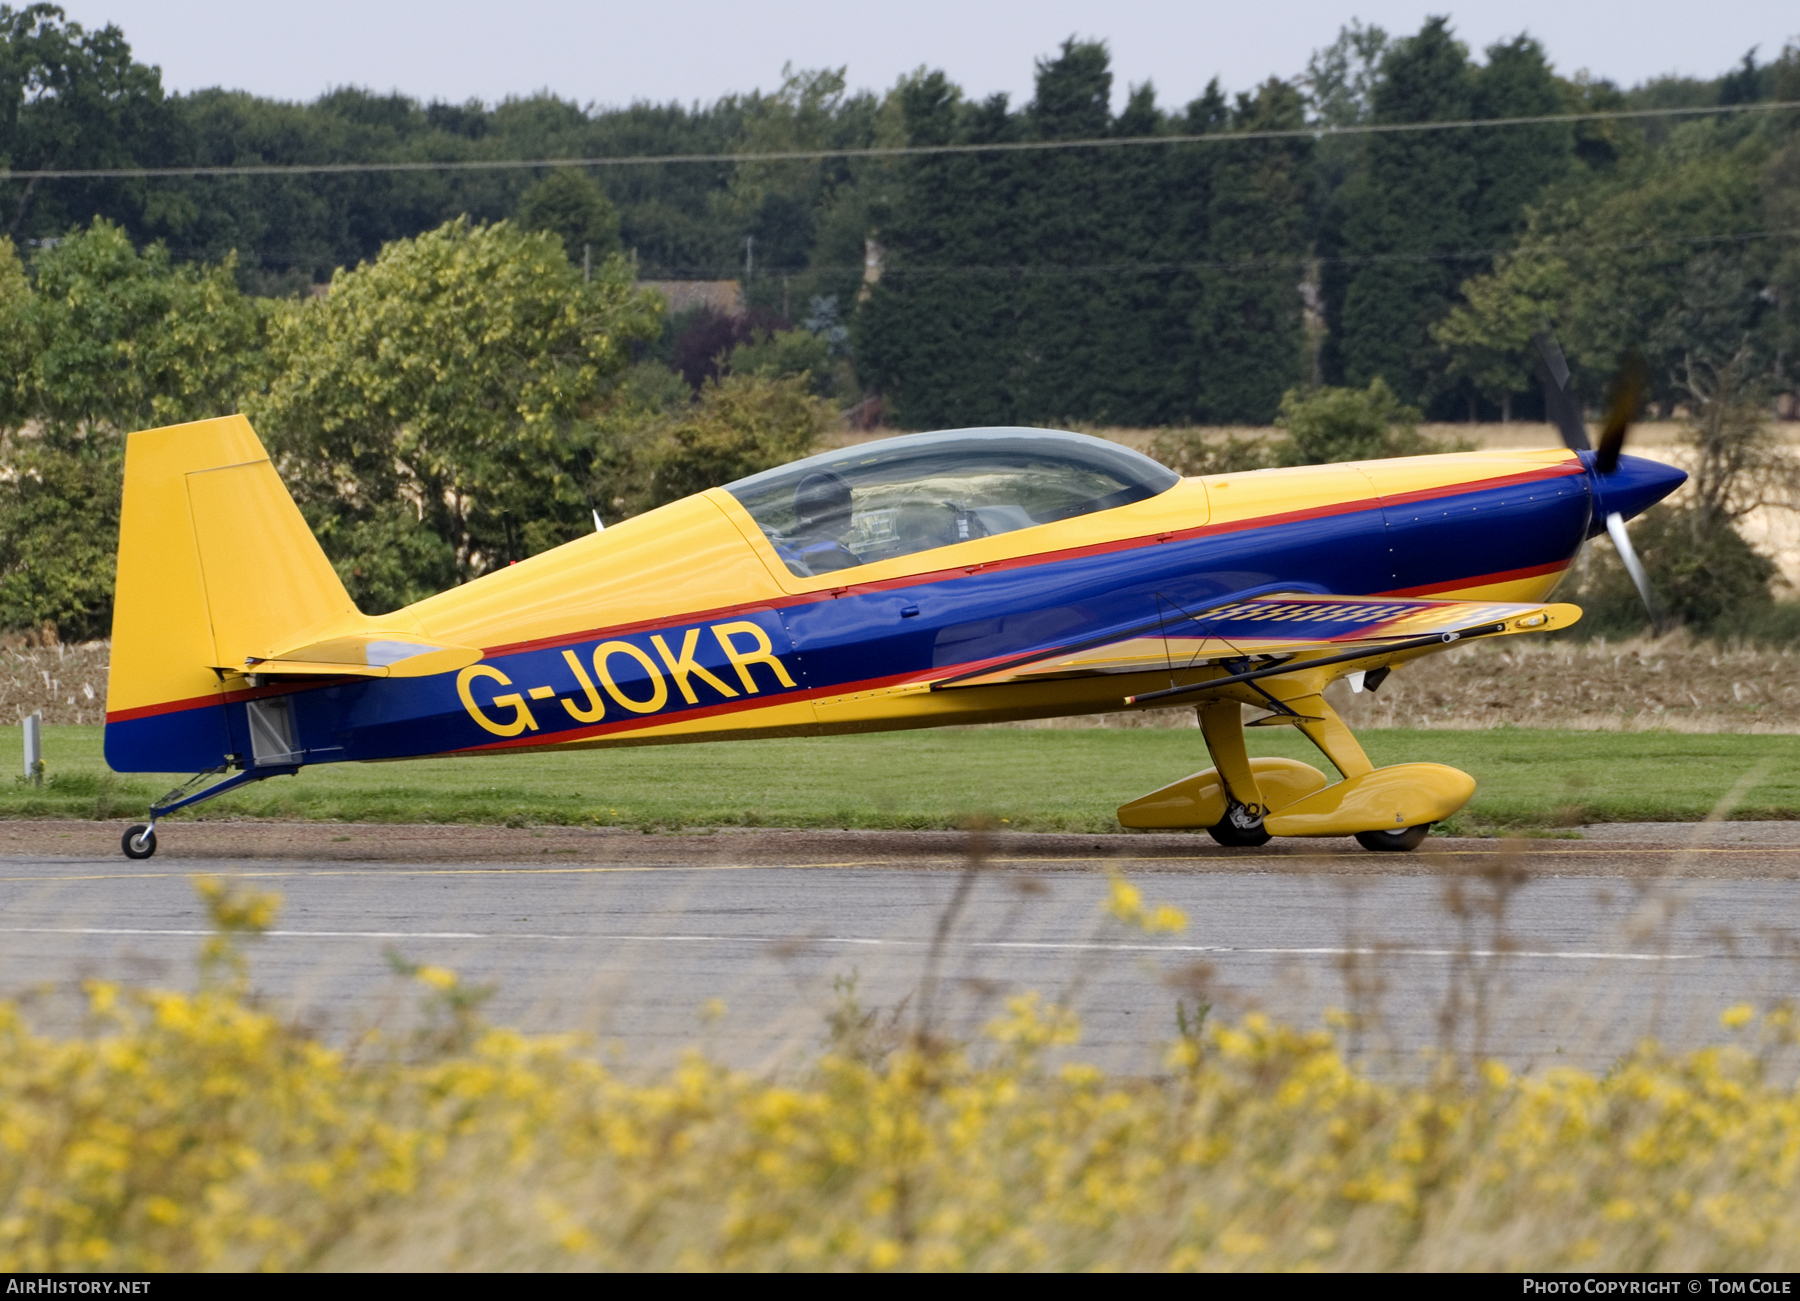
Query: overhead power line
{"x":897,"y":151}
{"x":1275,"y":261}
{"x":1130,"y":268}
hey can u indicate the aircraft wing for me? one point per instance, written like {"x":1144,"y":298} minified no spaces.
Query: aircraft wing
{"x":1259,"y":631}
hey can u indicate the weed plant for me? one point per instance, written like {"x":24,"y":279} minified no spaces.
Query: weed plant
{"x":201,"y":1130}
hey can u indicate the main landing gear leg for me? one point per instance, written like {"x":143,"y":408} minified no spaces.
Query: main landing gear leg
{"x":139,"y":841}
{"x":1327,"y":731}
{"x":1222,"y":726}
{"x":1322,"y":726}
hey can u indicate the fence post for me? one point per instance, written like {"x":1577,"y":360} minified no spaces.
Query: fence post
{"x":34,"y":748}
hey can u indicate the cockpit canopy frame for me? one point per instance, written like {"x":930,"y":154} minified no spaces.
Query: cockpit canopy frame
{"x":861,"y":504}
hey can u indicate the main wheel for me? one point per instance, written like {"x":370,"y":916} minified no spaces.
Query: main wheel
{"x":1394,"y":842}
{"x":1239,"y":829}
{"x":139,"y":841}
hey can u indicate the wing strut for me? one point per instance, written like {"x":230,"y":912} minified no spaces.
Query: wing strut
{"x":1366,"y":652}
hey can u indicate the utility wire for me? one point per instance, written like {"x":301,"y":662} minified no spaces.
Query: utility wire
{"x":1364,"y":259}
{"x":897,"y":151}
{"x":1265,"y":263}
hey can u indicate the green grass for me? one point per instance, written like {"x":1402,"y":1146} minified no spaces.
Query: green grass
{"x":1040,"y":780}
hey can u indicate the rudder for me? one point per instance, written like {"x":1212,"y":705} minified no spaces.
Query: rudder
{"x":216,"y":564}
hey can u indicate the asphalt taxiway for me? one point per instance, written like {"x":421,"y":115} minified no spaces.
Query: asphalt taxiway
{"x":1556,"y":950}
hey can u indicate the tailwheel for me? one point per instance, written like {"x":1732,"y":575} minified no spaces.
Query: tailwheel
{"x":139,"y":841}
{"x":1240,"y":828}
{"x":1394,"y":842}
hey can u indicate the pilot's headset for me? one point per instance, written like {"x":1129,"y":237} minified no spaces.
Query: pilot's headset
{"x":823,"y":498}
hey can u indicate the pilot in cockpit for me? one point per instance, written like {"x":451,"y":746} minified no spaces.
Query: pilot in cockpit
{"x":822,"y":523}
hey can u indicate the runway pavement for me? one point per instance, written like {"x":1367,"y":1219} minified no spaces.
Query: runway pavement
{"x":1539,"y":951}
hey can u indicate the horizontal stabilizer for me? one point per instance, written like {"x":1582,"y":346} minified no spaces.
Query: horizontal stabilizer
{"x":363,"y":655}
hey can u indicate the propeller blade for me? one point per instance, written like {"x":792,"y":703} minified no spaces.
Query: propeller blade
{"x":1628,"y":392}
{"x":1621,"y":540}
{"x":1559,"y":403}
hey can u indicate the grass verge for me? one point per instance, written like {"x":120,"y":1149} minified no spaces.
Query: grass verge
{"x":1033,"y":780}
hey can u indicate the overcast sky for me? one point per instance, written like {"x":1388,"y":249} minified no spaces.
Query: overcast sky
{"x":610,"y":53}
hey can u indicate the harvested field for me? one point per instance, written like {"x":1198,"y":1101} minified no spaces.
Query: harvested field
{"x":67,"y":682}
{"x":1675,"y":683}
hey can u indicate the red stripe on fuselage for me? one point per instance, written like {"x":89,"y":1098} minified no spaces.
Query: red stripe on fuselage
{"x":166,"y":707}
{"x":226,"y":698}
{"x":1510,"y":480}
{"x":1456,"y":585}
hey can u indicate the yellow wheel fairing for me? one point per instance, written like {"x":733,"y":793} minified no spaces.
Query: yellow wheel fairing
{"x":1199,"y":801}
{"x":1387,"y":799}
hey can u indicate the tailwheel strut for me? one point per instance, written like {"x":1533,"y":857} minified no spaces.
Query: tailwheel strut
{"x":139,"y":840}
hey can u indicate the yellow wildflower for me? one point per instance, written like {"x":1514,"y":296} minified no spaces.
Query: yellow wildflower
{"x":436,"y":977}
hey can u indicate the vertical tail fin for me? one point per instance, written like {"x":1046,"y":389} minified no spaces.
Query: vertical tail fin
{"x":215,"y":564}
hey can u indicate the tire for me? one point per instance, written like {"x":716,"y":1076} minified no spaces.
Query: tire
{"x":1394,"y":842}
{"x":1234,"y":835}
{"x":138,"y":841}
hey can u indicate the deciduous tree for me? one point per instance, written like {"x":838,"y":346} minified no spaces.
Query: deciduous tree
{"x":73,"y":98}
{"x":741,"y":425}
{"x":110,"y":340}
{"x":570,"y":205}
{"x":1340,"y":424}
{"x":440,"y":400}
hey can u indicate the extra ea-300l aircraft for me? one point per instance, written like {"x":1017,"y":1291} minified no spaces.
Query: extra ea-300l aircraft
{"x":968,"y":576}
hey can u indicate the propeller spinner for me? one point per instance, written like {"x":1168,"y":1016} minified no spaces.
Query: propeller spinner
{"x":1565,"y":413}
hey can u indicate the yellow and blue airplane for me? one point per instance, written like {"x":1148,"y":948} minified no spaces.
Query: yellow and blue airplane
{"x":934,"y":579}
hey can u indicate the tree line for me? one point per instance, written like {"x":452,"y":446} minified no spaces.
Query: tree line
{"x":1183,"y":283}
{"x":71,"y":98}
{"x":1223,"y":276}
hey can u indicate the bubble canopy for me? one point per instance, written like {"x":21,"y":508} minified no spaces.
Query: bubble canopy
{"x":856,"y":505}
